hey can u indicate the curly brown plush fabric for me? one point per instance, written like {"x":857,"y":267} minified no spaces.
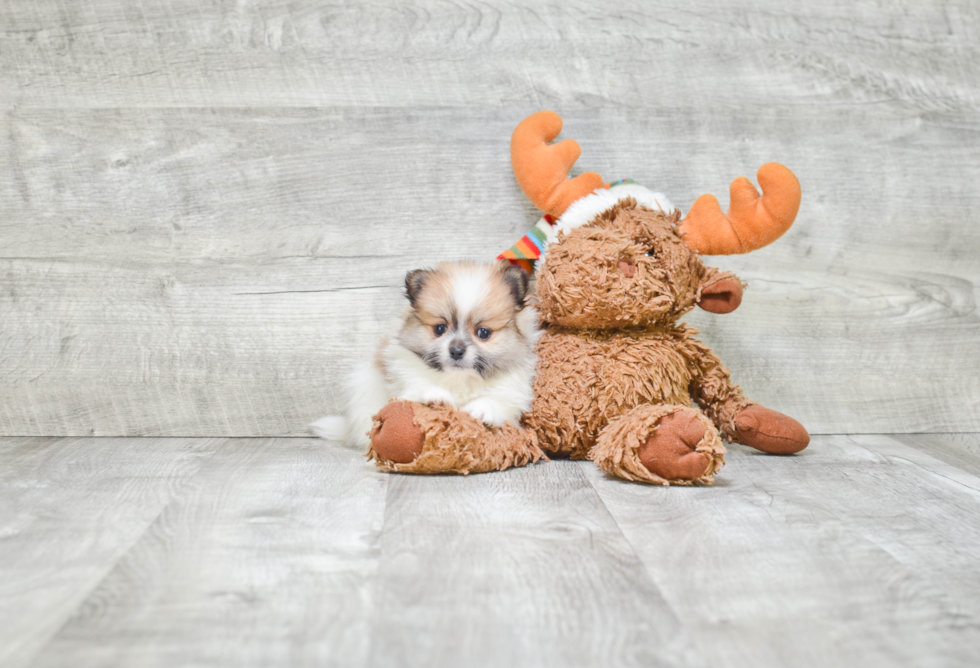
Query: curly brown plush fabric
{"x":587,"y":378}
{"x":619,"y":450}
{"x":582,"y":285}
{"x":452,"y":441}
{"x":613,"y":363}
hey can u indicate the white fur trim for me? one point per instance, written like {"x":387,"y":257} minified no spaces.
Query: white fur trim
{"x":583,"y":210}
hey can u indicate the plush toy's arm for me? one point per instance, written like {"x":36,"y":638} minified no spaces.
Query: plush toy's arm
{"x":713,"y":390}
{"x":409,"y":437}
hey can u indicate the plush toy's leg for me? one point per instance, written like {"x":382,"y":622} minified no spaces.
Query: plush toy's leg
{"x":738,"y":419}
{"x":408,"y":437}
{"x":770,"y":431}
{"x":660,"y":444}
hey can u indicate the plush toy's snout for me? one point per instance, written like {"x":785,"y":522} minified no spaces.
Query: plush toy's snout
{"x":627,"y":266}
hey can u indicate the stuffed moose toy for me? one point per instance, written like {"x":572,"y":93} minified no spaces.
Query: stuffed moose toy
{"x":616,"y":376}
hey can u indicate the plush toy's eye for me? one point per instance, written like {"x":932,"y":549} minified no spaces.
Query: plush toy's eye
{"x":483,"y":333}
{"x":439,"y":329}
{"x":651,"y":253}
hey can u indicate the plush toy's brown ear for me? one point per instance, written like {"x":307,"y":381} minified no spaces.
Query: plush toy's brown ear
{"x":722,"y":295}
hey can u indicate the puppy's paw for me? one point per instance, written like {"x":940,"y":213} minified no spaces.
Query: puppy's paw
{"x":429,"y":395}
{"x":487,"y":411}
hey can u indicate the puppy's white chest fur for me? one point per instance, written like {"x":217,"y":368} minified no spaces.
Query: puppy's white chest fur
{"x":409,"y":378}
{"x":407,"y":375}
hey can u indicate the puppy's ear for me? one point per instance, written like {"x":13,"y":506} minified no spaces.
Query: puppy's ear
{"x":517,"y":280}
{"x":414,"y":282}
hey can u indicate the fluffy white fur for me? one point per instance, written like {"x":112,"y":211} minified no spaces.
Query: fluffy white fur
{"x":395,"y":372}
{"x":582,"y":210}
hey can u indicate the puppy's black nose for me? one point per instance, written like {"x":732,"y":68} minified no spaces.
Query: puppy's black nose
{"x":457,"y":351}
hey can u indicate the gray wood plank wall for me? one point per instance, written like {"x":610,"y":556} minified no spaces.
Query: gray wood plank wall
{"x":206,"y":209}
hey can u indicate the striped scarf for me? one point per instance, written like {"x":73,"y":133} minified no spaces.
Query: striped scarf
{"x":530,"y":247}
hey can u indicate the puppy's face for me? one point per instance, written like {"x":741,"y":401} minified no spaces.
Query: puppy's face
{"x":464,"y":317}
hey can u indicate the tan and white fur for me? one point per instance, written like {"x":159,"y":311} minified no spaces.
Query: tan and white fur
{"x":467,"y":339}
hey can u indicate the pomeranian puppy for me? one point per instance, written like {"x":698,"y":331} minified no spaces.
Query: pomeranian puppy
{"x":467,"y":339}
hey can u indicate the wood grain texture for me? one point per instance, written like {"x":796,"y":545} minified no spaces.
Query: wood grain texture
{"x":181,"y":53}
{"x":264,"y":559}
{"x":236,"y":310}
{"x":208,"y":209}
{"x":959,"y":450}
{"x":179,"y":349}
{"x":70,"y":509}
{"x":858,"y":551}
{"x":520,"y":568}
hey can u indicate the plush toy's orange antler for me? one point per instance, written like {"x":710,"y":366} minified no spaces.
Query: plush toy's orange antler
{"x":542,"y":169}
{"x":752,"y":221}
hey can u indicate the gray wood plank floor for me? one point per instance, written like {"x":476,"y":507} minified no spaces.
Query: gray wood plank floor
{"x":860,"y":551}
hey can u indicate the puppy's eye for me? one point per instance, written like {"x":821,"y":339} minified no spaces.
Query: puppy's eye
{"x":439,"y":329}
{"x":651,"y":253}
{"x":483,"y":333}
